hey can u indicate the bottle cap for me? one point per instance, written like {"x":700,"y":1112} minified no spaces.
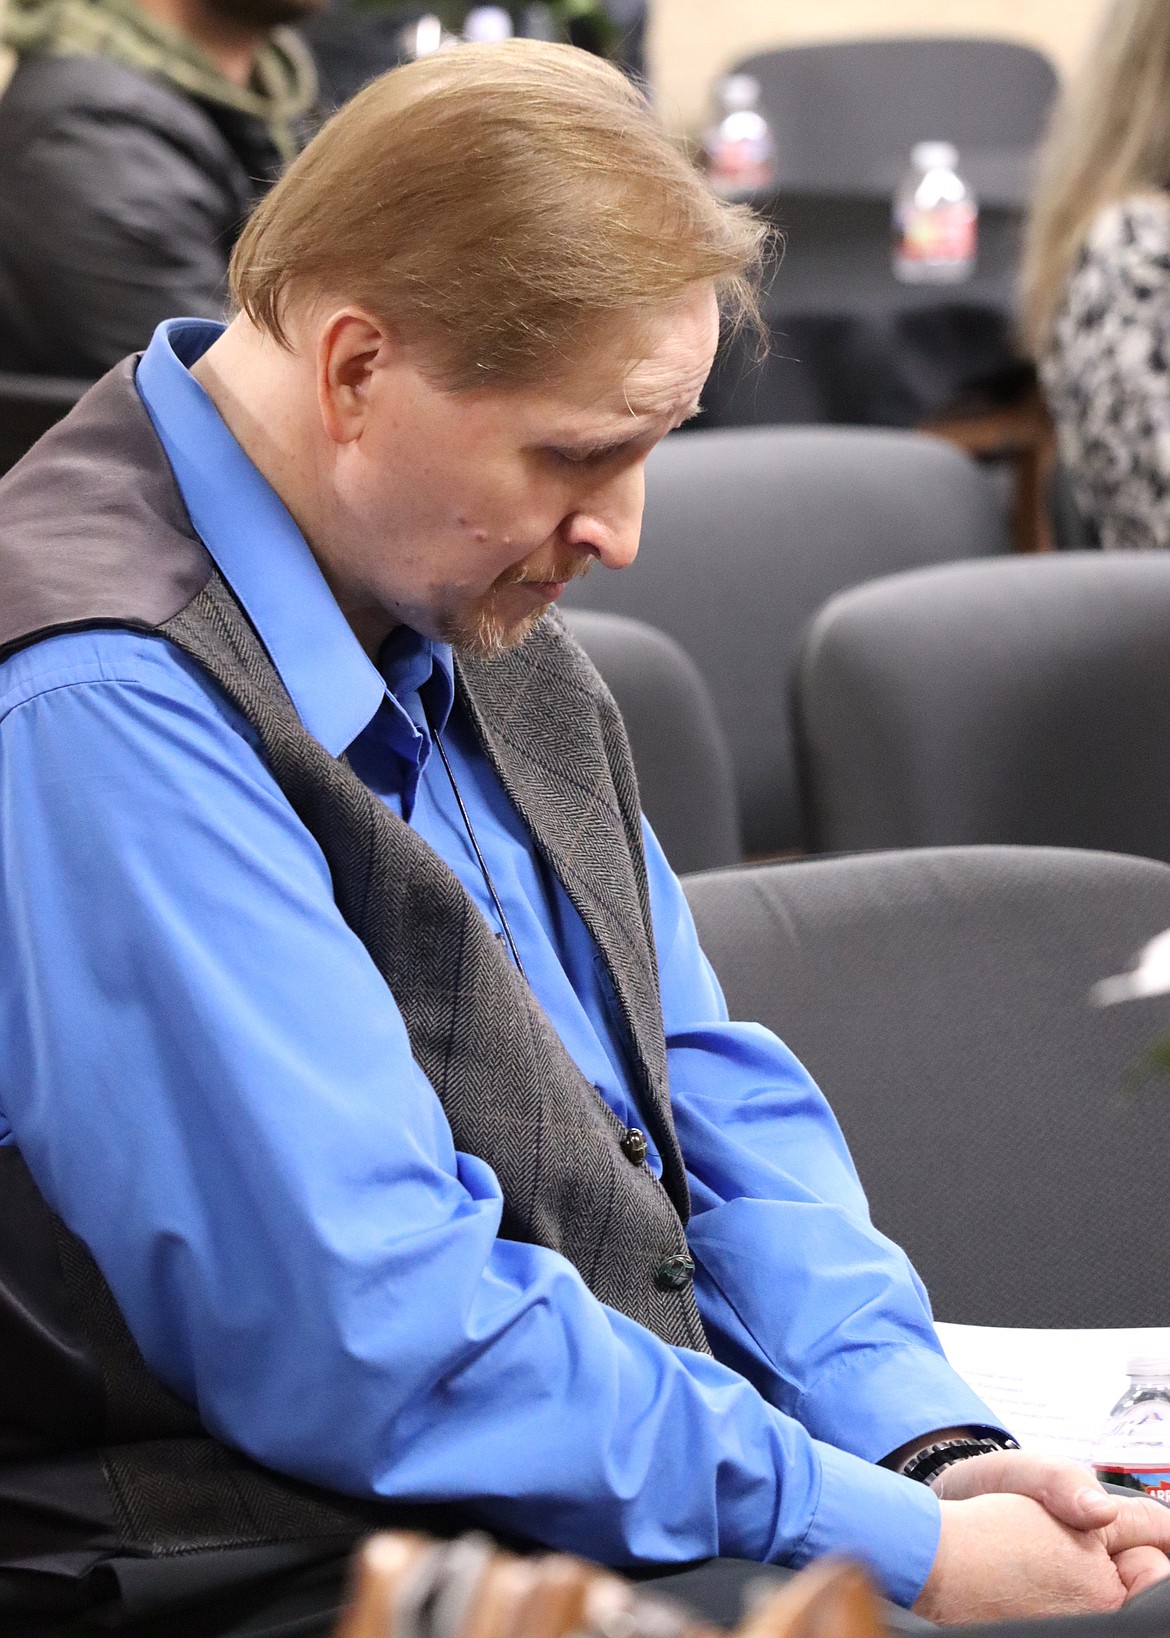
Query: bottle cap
{"x":485,"y":25}
{"x":739,"y":91}
{"x":1145,"y":1367}
{"x":934,"y":156}
{"x":426,"y":36}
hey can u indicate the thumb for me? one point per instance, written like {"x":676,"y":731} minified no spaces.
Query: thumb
{"x":1068,"y":1492}
{"x":1076,"y":1499}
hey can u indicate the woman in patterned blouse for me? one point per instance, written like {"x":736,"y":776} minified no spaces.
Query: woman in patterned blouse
{"x":1097,"y":277}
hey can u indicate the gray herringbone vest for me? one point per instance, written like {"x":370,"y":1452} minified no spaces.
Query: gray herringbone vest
{"x":93,"y":532}
{"x":510,"y":1091}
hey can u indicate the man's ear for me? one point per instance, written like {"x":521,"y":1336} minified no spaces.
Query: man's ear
{"x":352,"y":348}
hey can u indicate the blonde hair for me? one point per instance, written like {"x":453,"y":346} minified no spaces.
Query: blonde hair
{"x":496,"y":203}
{"x":1109,"y":138}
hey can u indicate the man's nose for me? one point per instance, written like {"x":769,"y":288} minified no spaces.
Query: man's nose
{"x":609,"y":525}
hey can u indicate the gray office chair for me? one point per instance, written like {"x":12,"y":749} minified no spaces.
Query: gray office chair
{"x":1026,"y":700}
{"x":846,"y":114}
{"x":1072,"y":530}
{"x":940,"y":998}
{"x":748,"y":531}
{"x":680,"y":754}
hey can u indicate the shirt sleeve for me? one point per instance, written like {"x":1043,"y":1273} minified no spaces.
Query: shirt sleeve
{"x":797,"y":1288}
{"x":212,"y":1085}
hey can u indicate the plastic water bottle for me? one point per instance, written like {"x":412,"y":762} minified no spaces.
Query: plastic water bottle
{"x":484,"y":25}
{"x":936,"y":219}
{"x":1134,"y":1449}
{"x":739,"y":152}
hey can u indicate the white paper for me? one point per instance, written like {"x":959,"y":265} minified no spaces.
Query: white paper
{"x":1053,"y":1390}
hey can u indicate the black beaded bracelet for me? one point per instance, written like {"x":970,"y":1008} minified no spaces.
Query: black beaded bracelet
{"x":926,"y":1464}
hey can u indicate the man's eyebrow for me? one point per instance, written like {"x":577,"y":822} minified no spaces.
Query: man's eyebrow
{"x":621,"y":436}
{"x":601,"y":445}
{"x":653,"y":412}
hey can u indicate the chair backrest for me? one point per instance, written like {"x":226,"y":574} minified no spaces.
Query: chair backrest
{"x":748,"y":531}
{"x":1021,"y":701}
{"x":941,"y":999}
{"x":680,"y":753}
{"x":846,"y":114}
{"x":29,"y":406}
{"x":1072,"y":530}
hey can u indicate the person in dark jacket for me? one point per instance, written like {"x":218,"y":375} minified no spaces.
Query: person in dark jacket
{"x":134,"y":140}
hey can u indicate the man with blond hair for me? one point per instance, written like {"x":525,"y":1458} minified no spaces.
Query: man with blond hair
{"x":375,"y":1140}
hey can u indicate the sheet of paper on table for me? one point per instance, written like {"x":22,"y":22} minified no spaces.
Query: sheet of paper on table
{"x":1052,"y":1389}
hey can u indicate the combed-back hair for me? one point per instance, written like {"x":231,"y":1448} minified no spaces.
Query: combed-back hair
{"x":495,"y":203}
{"x":1109,"y":138}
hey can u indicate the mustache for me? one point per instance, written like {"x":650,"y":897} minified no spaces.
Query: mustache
{"x":575,"y":567}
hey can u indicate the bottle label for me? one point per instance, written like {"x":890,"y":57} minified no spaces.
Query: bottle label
{"x":741,"y":166}
{"x":942,"y":233}
{"x":1148,"y":1481}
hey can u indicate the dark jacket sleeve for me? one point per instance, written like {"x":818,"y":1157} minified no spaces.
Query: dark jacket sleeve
{"x":108,"y":224}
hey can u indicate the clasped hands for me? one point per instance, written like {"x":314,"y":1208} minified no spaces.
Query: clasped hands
{"x":1026,"y":1535}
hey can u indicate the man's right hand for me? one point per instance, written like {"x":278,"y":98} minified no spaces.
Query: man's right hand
{"x":1001,"y":1556}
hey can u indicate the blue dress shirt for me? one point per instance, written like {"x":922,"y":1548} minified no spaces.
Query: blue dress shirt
{"x":213,"y":1087}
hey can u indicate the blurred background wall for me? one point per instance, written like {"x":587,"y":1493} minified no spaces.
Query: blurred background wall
{"x":693,"y":40}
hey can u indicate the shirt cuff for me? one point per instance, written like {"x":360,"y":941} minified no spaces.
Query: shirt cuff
{"x":889,"y":1524}
{"x":874,"y":1400}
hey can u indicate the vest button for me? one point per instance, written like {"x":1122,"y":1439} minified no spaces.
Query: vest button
{"x":674,"y":1272}
{"x":635,"y":1147}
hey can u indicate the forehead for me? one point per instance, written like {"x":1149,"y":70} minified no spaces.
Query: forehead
{"x":646,"y":369}
{"x":675,"y":358}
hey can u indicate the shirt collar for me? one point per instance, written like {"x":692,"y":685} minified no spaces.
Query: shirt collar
{"x":334,"y":686}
